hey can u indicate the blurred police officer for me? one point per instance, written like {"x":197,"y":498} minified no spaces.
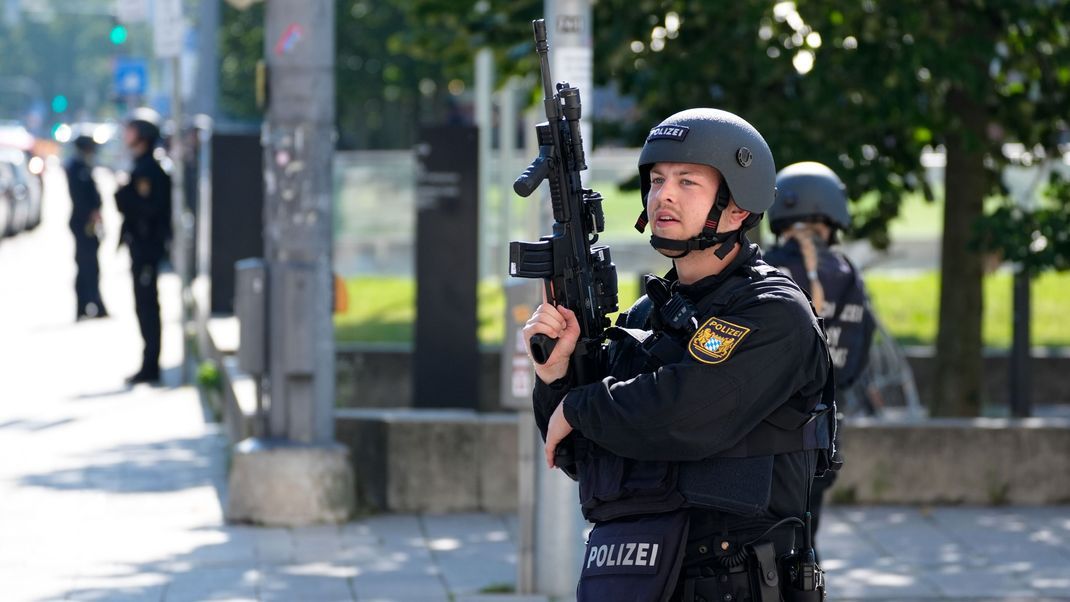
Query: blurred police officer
{"x":809,"y":213}
{"x":145,"y":202}
{"x":85,"y":225}
{"x":698,"y":449}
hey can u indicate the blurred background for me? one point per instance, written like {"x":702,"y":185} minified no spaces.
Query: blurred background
{"x":949,"y":123}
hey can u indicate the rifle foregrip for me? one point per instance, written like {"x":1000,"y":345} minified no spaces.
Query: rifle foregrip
{"x":529,"y":181}
{"x":541,"y":348}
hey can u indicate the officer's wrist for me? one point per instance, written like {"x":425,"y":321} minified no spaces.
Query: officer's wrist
{"x":553,"y":377}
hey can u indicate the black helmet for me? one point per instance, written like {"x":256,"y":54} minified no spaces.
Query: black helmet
{"x":725,"y":142}
{"x":809,"y":191}
{"x":146,"y":123}
{"x":85,"y":144}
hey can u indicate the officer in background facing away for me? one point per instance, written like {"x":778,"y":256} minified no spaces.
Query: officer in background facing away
{"x":809,"y":213}
{"x":145,"y":202}
{"x":85,"y":225}
{"x":699,"y":448}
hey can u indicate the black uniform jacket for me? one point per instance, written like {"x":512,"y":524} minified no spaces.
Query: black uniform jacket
{"x":85,"y":199}
{"x":145,"y":202}
{"x":752,"y":351}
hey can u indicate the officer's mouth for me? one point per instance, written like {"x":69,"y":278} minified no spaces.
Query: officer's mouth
{"x":664,"y":219}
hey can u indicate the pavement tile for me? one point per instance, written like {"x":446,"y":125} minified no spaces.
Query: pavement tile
{"x":892,"y":581}
{"x":956,"y":582}
{"x":1050,"y":581}
{"x":213,"y":583}
{"x":398,"y":585}
{"x":284,"y":584}
{"x":273,"y":546}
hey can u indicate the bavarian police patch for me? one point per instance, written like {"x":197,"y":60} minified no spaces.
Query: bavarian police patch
{"x":144,"y":187}
{"x":715,"y":340}
{"x":668,"y":132}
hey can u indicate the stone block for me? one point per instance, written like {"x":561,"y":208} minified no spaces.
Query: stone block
{"x":431,"y":461}
{"x":287,"y":484}
{"x":956,"y":461}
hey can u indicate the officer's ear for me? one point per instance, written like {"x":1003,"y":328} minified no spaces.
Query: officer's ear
{"x":734,"y":215}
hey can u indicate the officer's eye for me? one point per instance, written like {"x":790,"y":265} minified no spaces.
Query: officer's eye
{"x":657,"y":180}
{"x":687,"y":182}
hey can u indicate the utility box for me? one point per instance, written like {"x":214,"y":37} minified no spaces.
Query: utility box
{"x":250,"y":305}
{"x":517,"y":373}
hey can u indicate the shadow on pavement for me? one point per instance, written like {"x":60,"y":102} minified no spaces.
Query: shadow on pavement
{"x":35,"y":425}
{"x":165,"y":466}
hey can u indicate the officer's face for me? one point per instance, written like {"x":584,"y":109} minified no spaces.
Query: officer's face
{"x":680,"y":198}
{"x":130,"y":137}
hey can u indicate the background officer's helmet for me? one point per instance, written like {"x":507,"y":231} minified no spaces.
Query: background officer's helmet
{"x":722,"y":140}
{"x":147,"y":124}
{"x":809,"y":192}
{"x":85,"y":144}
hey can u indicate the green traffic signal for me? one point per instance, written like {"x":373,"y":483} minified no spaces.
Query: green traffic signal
{"x":118,"y":34}
{"x":59,"y":103}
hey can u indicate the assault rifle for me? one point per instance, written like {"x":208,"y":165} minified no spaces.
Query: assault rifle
{"x":578,"y":273}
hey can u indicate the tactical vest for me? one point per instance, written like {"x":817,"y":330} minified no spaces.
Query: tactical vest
{"x":849,"y":323}
{"x":737,"y":480}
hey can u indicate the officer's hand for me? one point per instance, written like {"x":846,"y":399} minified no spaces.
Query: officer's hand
{"x":557,"y":323}
{"x":558,"y":429}
{"x":94,"y":217}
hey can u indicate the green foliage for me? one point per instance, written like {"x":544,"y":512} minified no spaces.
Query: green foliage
{"x":208,"y":376}
{"x":876,"y":94}
{"x":241,"y":45}
{"x":43,"y":57}
{"x":1038,"y":239}
{"x":398,"y":65}
{"x":498,"y":588}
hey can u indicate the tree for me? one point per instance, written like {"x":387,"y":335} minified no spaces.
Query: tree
{"x":398,"y":65}
{"x":865,"y":87}
{"x":61,"y":55}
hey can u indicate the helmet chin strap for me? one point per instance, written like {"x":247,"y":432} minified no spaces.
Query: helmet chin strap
{"x":706,"y":239}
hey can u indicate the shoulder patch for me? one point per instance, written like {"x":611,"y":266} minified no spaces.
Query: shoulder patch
{"x":715,"y":340}
{"x":144,"y":186}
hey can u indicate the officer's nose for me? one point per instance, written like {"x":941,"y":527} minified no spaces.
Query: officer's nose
{"x":665,"y":194}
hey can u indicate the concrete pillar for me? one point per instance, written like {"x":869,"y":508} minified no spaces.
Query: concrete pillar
{"x":297,"y":474}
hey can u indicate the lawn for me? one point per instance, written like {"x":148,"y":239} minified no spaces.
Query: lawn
{"x":381,"y":309}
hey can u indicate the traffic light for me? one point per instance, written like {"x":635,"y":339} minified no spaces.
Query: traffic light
{"x":59,"y":103}
{"x":118,"y":34}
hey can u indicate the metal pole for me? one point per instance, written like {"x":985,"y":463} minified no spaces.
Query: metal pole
{"x":207,"y":86}
{"x":506,"y":154}
{"x":1022,"y":182}
{"x":559,"y":525}
{"x":203,"y":271}
{"x":298,"y":138}
{"x":485,"y":121}
{"x":527,"y":444}
{"x":1021,"y":404}
{"x":181,"y":221}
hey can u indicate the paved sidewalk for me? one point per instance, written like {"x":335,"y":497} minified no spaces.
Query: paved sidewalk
{"x":110,"y":493}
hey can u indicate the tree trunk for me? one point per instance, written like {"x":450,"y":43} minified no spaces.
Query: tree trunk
{"x":957,"y":387}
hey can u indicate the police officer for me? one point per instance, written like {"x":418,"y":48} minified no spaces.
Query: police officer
{"x":85,"y":225}
{"x":145,"y":202}
{"x":809,"y":213}
{"x":696,"y":453}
